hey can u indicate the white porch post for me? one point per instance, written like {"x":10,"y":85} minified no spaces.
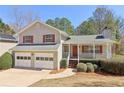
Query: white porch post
{"x":94,"y":50}
{"x":69,"y":49}
{"x":107,"y":50}
{"x":68,"y":55}
{"x":78,"y":53}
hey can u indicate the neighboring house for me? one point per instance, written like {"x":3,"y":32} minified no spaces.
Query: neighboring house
{"x":43,"y":46}
{"x":6,"y":43}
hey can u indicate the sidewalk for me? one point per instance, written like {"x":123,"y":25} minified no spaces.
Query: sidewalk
{"x":68,"y":72}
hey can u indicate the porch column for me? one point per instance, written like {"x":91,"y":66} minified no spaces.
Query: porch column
{"x":69,"y":49}
{"x":94,"y":50}
{"x":107,"y":50}
{"x":68,"y":55}
{"x":78,"y":53}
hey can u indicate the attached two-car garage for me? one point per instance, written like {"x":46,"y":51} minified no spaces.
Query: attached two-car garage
{"x":34,"y":60}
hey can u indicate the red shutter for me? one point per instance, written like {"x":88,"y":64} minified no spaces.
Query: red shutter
{"x":53,"y":38}
{"x":31,"y":39}
{"x":43,"y":38}
{"x":23,"y":39}
{"x":100,"y":49}
{"x":82,"y":48}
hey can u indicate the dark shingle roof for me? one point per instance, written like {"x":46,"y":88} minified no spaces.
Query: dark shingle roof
{"x":4,"y":37}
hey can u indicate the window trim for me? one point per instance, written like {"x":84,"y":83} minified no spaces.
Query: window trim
{"x":29,"y":39}
{"x":49,"y":38}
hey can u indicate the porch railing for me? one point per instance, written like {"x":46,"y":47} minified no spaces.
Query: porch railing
{"x":86,"y":55}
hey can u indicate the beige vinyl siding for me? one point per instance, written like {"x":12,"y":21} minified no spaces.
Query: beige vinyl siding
{"x":5,"y":46}
{"x":38,"y":30}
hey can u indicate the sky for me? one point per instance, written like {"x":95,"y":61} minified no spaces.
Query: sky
{"x":75,"y":13}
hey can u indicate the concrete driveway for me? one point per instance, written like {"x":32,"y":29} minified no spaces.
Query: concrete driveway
{"x":21,"y":77}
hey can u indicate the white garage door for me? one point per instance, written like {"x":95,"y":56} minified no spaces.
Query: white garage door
{"x":23,"y":59}
{"x":43,"y":60}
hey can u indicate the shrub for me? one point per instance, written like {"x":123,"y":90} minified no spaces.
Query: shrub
{"x":113,"y":66}
{"x":6,"y":61}
{"x":95,"y":67}
{"x":90,"y":67}
{"x":81,"y":67}
{"x":63,"y":63}
{"x":91,"y":61}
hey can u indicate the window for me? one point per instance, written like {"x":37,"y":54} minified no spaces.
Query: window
{"x":66,"y":48}
{"x":49,"y":38}
{"x":46,"y":58}
{"x":41,"y":58}
{"x":27,"y":39}
{"x":18,"y":57}
{"x":37,"y":58}
{"x":25,"y":58}
{"x":98,"y":49}
{"x":21,"y":57}
{"x":87,"y":49}
{"x":29,"y":58}
{"x":50,"y":59}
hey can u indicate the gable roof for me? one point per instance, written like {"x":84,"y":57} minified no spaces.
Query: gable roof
{"x":37,"y":21}
{"x":5,"y":37}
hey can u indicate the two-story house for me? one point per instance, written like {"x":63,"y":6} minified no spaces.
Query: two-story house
{"x":43,"y":46}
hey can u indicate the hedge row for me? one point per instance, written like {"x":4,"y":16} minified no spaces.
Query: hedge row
{"x":113,"y":66}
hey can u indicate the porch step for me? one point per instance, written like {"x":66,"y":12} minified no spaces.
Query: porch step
{"x":73,"y":63}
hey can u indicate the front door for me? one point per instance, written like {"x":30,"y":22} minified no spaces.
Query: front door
{"x":75,"y":51}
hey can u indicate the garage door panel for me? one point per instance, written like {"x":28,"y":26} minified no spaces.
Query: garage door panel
{"x":22,"y":62}
{"x":42,"y":63}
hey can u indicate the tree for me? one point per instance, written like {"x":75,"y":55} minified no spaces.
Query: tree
{"x":102,"y":18}
{"x":5,"y":28}
{"x":22,"y":18}
{"x":86,"y":28}
{"x":63,"y":24}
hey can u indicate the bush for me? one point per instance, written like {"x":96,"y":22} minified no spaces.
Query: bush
{"x":97,"y":62}
{"x":113,"y":66}
{"x":6,"y":61}
{"x":95,"y":67}
{"x":90,"y":67}
{"x":63,"y":63}
{"x":81,"y":67}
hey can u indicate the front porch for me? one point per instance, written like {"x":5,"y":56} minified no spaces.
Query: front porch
{"x":76,"y":52}
{"x":95,"y":51}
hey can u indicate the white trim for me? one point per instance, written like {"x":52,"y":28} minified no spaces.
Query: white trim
{"x":78,"y":53}
{"x":94,"y":54}
{"x":107,"y":50}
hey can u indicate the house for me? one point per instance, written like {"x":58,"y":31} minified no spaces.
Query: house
{"x":6,"y":43}
{"x":43,"y":46}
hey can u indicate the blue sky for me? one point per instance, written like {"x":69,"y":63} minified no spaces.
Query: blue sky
{"x":75,"y":13}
